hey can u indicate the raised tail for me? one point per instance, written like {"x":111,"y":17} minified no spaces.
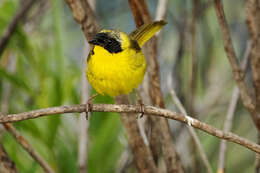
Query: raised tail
{"x":146,"y":31}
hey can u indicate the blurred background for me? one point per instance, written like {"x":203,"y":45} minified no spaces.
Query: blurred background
{"x":42,"y":67}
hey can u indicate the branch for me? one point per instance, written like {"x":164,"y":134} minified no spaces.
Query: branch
{"x":6,"y":164}
{"x":193,"y":134}
{"x":28,"y":148}
{"x":13,"y":24}
{"x":141,"y":151}
{"x":253,"y":20}
{"x":148,"y":110}
{"x":84,"y":15}
{"x":230,"y":113}
{"x":83,"y":124}
{"x":237,"y":72}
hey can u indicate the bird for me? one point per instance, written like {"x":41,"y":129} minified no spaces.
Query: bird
{"x":116,"y":64}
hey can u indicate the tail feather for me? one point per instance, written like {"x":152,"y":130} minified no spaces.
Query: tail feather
{"x":146,"y":31}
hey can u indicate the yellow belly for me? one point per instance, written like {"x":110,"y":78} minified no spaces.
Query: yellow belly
{"x":117,"y":73}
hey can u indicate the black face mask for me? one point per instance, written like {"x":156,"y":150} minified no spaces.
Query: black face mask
{"x":108,"y":42}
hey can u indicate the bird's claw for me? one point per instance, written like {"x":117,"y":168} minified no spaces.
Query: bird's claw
{"x":89,"y":106}
{"x":140,"y":103}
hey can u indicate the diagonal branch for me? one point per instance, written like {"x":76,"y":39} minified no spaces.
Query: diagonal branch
{"x":191,"y":129}
{"x":28,"y":148}
{"x":230,"y":113}
{"x":6,"y":164}
{"x":148,"y":110}
{"x":85,"y":16}
{"x":13,"y":24}
{"x":238,"y":74}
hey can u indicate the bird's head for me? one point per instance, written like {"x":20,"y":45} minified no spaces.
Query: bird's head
{"x":113,"y":41}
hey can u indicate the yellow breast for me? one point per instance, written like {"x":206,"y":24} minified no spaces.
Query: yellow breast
{"x":115,"y":73}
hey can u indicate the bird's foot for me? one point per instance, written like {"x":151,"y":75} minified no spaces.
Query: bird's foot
{"x":89,"y":106}
{"x":140,"y":103}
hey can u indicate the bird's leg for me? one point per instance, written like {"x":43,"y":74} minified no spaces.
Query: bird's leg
{"x":89,"y":105}
{"x":140,"y":103}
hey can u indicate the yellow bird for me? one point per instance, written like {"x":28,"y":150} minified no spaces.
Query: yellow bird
{"x":116,"y":64}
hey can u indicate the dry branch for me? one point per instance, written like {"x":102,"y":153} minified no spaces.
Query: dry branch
{"x":83,"y":124}
{"x":193,"y":134}
{"x":13,"y":24}
{"x":6,"y":164}
{"x":142,"y":154}
{"x":84,"y":15}
{"x":28,"y":148}
{"x":253,"y":20}
{"x":230,"y":113}
{"x":231,"y":55}
{"x":148,"y":110}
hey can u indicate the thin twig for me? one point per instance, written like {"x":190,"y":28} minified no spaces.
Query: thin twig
{"x":83,"y":123}
{"x":13,"y":24}
{"x":230,"y":113}
{"x":6,"y":164}
{"x":191,"y":129}
{"x":236,"y":70}
{"x":148,"y":110}
{"x":28,"y":148}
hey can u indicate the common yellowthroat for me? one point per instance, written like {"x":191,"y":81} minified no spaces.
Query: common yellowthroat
{"x":116,"y":64}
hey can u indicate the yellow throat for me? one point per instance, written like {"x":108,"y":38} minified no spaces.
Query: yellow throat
{"x":116,"y":64}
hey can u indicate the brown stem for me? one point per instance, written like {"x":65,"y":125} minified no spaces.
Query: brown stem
{"x":142,"y":154}
{"x":236,"y":70}
{"x":85,"y":16}
{"x":192,"y":132}
{"x":28,"y":148}
{"x":6,"y":164}
{"x":230,"y":114}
